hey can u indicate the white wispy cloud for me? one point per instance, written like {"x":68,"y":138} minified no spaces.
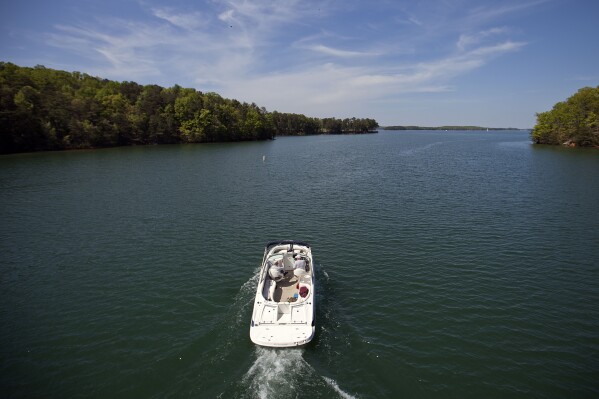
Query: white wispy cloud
{"x":260,"y":16}
{"x":486,"y":13}
{"x":188,"y":21}
{"x":115,"y":51}
{"x":338,"y":52}
{"x":227,"y":16}
{"x":467,"y":40}
{"x":232,"y":47}
{"x":408,"y":20}
{"x":228,"y":41}
{"x":497,"y":49}
{"x":326,"y":84}
{"x":415,"y":21}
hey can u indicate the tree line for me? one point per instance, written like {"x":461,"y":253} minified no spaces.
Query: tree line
{"x":298,"y":125}
{"x":574,"y":122}
{"x":47,"y":109}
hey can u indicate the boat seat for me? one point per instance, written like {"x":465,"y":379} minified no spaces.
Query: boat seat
{"x":268,"y":291}
{"x":271,"y":290}
{"x":288,"y":262}
{"x":299,"y":273}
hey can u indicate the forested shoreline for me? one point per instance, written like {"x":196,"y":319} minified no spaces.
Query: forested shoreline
{"x":47,"y":109}
{"x":573,"y":123}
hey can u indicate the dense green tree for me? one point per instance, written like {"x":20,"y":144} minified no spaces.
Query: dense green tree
{"x":572,"y":122}
{"x":46,"y":109}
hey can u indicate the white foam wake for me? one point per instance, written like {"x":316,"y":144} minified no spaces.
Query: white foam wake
{"x":236,"y":317}
{"x":276,"y":373}
{"x":245,"y":298}
{"x":281,"y":373}
{"x":340,"y":391}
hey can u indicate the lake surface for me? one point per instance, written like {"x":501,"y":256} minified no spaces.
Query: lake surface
{"x":450,"y":265}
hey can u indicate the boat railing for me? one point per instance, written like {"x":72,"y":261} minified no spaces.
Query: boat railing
{"x":286,"y":242}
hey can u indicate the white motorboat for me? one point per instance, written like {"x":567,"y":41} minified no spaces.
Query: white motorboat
{"x":283,"y":313}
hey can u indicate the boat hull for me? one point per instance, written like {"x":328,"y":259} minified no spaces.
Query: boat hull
{"x":281,"y":336}
{"x":283,"y":314}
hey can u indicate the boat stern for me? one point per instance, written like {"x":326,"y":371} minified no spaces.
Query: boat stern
{"x":281,"y":336}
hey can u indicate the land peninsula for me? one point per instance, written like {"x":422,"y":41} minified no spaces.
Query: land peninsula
{"x":46,"y":109}
{"x":573,"y":123}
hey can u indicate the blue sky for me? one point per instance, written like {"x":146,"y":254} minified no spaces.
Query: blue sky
{"x":437,"y":62}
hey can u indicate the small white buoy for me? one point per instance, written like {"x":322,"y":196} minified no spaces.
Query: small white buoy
{"x":263,"y":158}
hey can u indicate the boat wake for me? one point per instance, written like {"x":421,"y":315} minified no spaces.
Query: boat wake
{"x":246,"y":291}
{"x":230,"y":329}
{"x":276,"y":373}
{"x":271,"y":373}
{"x":284,"y":373}
{"x":335,"y":386}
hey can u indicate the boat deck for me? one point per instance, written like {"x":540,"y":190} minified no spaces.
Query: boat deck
{"x":286,"y":288}
{"x":278,"y":321}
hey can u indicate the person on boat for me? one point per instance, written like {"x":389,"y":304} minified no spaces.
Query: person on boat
{"x":277,"y":270}
{"x":300,"y":263}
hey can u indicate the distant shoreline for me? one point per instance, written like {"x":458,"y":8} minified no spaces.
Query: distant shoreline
{"x":447,"y":128}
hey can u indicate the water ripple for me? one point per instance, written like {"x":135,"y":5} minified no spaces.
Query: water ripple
{"x":448,"y":265}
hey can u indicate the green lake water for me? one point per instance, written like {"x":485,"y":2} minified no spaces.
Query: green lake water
{"x":449,"y":265}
